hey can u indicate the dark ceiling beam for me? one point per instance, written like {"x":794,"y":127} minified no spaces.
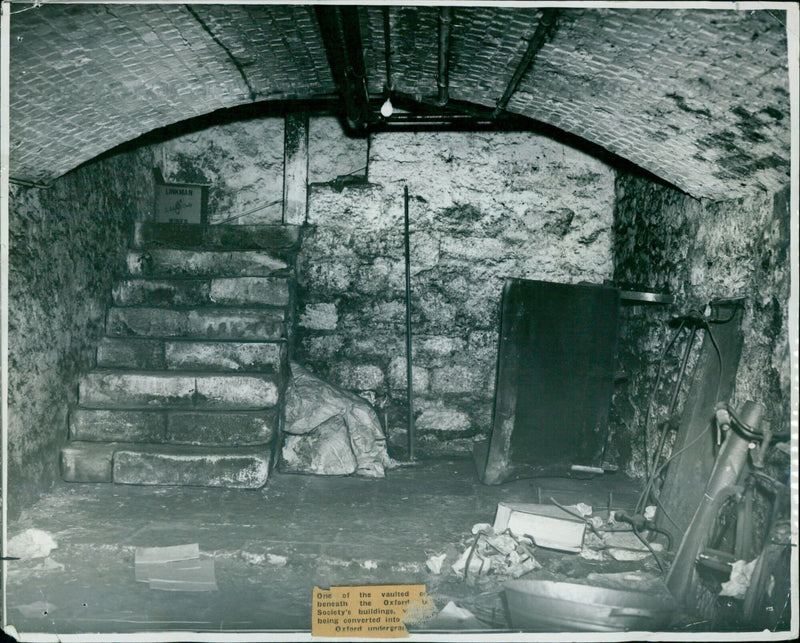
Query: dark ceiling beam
{"x":443,"y":77}
{"x":341,"y":34}
{"x":547,"y":24}
{"x":387,"y":47}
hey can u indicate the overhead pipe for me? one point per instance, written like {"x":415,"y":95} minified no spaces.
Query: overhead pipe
{"x":356,"y":69}
{"x":543,"y":31}
{"x":443,"y":78}
{"x":341,"y":35}
{"x":387,"y":47}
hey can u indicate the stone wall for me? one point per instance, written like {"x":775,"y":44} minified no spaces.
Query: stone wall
{"x":700,"y":250}
{"x":483,"y":207}
{"x":242,"y":162}
{"x":66,"y":245}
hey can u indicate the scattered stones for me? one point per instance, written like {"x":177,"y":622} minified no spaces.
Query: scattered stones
{"x":253,"y":559}
{"x":31,"y":543}
{"x":277,"y":560}
{"x":434,"y":563}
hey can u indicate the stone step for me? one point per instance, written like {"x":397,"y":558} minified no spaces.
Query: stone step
{"x":110,"y":425}
{"x":187,"y":391}
{"x":220,"y":428}
{"x":285,"y":238}
{"x":174,"y":262}
{"x":197,"y":323}
{"x":125,"y":463}
{"x":157,"y":354}
{"x":223,"y":291}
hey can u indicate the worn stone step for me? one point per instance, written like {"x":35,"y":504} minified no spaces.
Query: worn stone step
{"x":157,"y":354}
{"x":219,"y":237}
{"x":217,"y":428}
{"x":225,"y":356}
{"x":197,"y":323}
{"x":131,"y":352}
{"x":228,"y":428}
{"x":111,"y":425}
{"x":175,"y":262}
{"x":223,"y":291}
{"x":126,"y":463}
{"x":240,"y":468}
{"x":141,"y":390}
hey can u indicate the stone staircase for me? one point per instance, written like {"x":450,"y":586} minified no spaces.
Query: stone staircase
{"x":192,"y":365}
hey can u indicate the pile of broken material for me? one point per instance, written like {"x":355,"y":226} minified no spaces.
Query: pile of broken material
{"x":330,"y":431}
{"x":507,"y":549}
{"x":502,"y":554}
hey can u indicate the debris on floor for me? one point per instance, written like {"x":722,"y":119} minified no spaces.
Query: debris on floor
{"x":453,"y":617}
{"x":553,"y":548}
{"x":434,"y":563}
{"x":547,"y":525}
{"x":36,"y":609}
{"x":31,"y":543}
{"x":176,"y":568}
{"x":277,"y":560}
{"x":490,"y":552}
{"x":609,"y":538}
{"x":741,"y":574}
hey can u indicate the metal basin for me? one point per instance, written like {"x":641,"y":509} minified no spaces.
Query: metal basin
{"x":551,"y":606}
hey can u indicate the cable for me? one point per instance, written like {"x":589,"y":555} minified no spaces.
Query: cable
{"x":653,"y":395}
{"x":652,"y":551}
{"x":706,"y":325}
{"x":577,"y":515}
{"x":36,"y":4}
{"x":244,"y":214}
{"x":719,"y":359}
{"x":648,"y":463}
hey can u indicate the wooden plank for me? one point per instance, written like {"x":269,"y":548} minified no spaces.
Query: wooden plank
{"x":295,"y":168}
{"x":505,"y":402}
{"x":689,"y":472}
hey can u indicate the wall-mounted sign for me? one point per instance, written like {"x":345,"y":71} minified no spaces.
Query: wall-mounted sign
{"x":181,"y":203}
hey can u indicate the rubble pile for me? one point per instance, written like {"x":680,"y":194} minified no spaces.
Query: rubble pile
{"x":504,"y":552}
{"x":610,"y":539}
{"x":485,"y":552}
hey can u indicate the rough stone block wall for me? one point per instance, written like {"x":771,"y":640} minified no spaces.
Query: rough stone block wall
{"x":332,"y":153}
{"x":66,"y":245}
{"x":483,"y":207}
{"x":700,"y":250}
{"x":243,"y":163}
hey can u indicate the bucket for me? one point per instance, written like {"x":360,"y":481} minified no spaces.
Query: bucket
{"x":553,"y":606}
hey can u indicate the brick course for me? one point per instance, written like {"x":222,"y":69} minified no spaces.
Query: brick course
{"x":697,"y":97}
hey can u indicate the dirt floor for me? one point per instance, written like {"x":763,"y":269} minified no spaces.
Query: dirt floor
{"x":273,"y":546}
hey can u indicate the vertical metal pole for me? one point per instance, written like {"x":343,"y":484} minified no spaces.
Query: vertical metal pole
{"x":408,"y":332}
{"x":5,"y":53}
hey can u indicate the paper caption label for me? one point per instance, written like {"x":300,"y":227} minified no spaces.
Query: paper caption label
{"x":378,"y":611}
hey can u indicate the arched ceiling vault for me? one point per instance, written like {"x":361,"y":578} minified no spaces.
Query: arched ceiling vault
{"x":700,"y":98}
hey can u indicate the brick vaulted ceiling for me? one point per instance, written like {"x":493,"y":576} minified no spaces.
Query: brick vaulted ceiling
{"x":698,"y":97}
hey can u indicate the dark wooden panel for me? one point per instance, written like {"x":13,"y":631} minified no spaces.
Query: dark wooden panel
{"x":554,"y":376}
